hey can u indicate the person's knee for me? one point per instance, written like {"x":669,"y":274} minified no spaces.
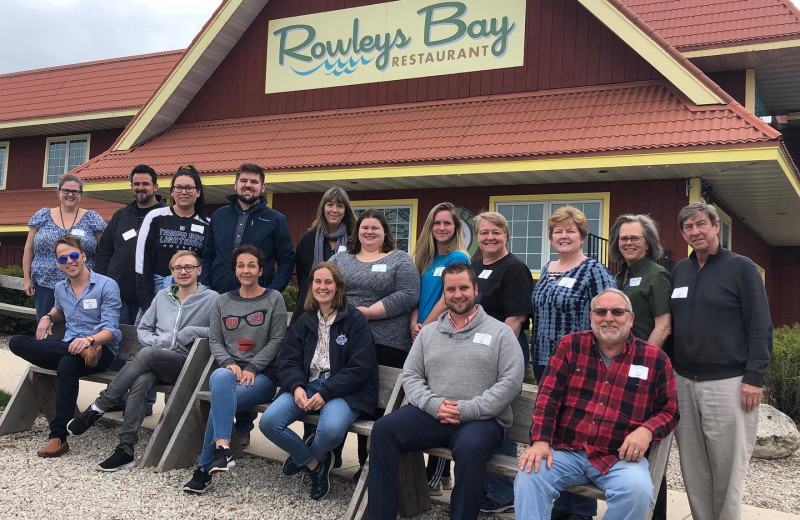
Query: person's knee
{"x":144,"y":356}
{"x":15,"y":344}
{"x":269,"y":424}
{"x":222,"y":376}
{"x":638,"y":489}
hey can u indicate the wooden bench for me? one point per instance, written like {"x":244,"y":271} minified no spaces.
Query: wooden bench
{"x":36,"y":393}
{"x":15,"y":311}
{"x":187,"y":440}
{"x":522,"y":409}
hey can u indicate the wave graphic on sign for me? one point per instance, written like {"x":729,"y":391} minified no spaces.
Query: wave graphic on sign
{"x":337,"y":68}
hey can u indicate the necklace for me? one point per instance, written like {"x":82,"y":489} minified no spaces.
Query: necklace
{"x":61,"y":216}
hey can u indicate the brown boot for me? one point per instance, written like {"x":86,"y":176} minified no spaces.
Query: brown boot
{"x":54,"y":448}
{"x":91,"y":355}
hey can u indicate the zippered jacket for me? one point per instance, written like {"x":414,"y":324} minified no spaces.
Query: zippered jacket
{"x":174,"y":326}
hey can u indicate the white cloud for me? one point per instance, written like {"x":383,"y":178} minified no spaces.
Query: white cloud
{"x":45,"y":33}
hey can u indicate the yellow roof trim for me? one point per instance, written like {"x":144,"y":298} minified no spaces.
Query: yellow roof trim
{"x":14,"y":229}
{"x":167,"y":89}
{"x":738,"y":49}
{"x":652,"y":52}
{"x":531,"y":165}
{"x":90,"y":116}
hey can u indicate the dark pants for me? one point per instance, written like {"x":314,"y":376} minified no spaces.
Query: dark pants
{"x":409,"y":429}
{"x":53,"y":355}
{"x":569,"y":502}
{"x":43,"y":300}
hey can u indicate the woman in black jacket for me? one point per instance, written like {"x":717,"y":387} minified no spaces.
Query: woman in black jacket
{"x":327,"y":365}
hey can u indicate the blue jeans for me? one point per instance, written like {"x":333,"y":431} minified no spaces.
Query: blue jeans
{"x":335,"y":417}
{"x":500,"y":488}
{"x":228,"y":397}
{"x":128,"y":313}
{"x":43,"y":300}
{"x":627,"y":485}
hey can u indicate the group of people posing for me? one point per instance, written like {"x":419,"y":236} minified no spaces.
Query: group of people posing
{"x":458,"y":328}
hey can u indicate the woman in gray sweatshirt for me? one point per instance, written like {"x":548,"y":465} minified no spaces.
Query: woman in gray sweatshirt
{"x":247,"y":328}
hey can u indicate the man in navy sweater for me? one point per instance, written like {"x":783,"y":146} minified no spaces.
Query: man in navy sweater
{"x":247,"y":220}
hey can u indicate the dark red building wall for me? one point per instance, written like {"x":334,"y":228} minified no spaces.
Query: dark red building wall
{"x":565,"y":47}
{"x":734,"y":82}
{"x":782,"y":283}
{"x":662,"y":199}
{"x":26,"y":157}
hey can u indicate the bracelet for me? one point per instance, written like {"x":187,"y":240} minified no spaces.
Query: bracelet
{"x":46,"y":316}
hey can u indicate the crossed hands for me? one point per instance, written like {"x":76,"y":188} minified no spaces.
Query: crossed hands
{"x":243,"y":377}
{"x":449,"y":413}
{"x":303,"y":402}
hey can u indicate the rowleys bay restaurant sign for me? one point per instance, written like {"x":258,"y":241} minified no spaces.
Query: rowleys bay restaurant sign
{"x":391,"y":41}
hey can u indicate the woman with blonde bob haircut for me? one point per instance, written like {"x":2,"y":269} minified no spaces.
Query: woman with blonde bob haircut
{"x":328,"y":234}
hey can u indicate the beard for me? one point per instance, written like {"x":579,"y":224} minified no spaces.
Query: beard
{"x":460,"y":308}
{"x":611,"y":334}
{"x":248,"y":198}
{"x":143,"y":198}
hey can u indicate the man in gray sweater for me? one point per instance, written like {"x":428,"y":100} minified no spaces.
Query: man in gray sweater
{"x":460,"y":377}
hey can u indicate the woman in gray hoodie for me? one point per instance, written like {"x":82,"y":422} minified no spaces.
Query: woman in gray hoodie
{"x":247,"y":329}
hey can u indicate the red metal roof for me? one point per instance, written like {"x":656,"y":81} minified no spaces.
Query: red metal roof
{"x":691,"y":24}
{"x":18,"y":206}
{"x":98,"y":86}
{"x":632,"y":117}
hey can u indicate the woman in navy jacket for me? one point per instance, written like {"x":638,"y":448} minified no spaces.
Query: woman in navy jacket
{"x":327,"y":365}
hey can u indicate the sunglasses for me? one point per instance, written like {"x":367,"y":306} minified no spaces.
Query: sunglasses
{"x":254,"y":319}
{"x":72,"y":256}
{"x":616,"y":311}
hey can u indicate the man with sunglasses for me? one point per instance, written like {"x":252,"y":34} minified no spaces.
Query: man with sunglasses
{"x":89,"y":305}
{"x":604,"y":397}
{"x":179,"y":313}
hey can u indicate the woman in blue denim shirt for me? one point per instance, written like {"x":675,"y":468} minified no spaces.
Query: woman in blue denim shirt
{"x":47,"y":225}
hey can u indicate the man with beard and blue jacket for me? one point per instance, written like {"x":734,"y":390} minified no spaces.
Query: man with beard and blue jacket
{"x":247,"y":220}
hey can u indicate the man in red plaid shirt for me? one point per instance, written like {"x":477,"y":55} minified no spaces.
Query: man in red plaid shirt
{"x":604,"y":397}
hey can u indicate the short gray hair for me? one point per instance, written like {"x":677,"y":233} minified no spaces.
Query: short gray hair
{"x":615,"y":291}
{"x":695,"y":208}
{"x":650,"y":229}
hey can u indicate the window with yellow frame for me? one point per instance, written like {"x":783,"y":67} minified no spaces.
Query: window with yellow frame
{"x":528,"y":215}
{"x":63,"y":154}
{"x":3,"y":163}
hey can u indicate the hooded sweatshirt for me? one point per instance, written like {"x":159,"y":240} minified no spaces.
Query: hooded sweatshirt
{"x":174,"y":326}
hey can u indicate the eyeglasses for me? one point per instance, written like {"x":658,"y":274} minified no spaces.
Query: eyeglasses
{"x":70,"y":192}
{"x":185,"y":189}
{"x":631,"y":239}
{"x":72,"y":256}
{"x":188,"y":268}
{"x":254,"y":319}
{"x":616,"y":311}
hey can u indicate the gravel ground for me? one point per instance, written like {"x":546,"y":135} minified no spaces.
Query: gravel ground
{"x":32,"y":487}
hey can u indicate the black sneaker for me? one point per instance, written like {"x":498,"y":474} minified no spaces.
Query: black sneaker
{"x":490,"y":506}
{"x":121,"y":458}
{"x":320,"y":478}
{"x":290,"y":468}
{"x":201,"y":480}
{"x":83,"y":422}
{"x":223,"y":460}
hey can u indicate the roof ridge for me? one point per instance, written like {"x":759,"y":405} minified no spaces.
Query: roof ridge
{"x":86,"y":64}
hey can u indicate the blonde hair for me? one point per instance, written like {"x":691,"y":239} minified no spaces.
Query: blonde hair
{"x":571,"y":214}
{"x":184,"y":252}
{"x":495,"y":218}
{"x":426,"y":245}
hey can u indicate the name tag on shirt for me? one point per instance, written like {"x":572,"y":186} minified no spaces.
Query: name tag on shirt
{"x":77,"y":232}
{"x":680,"y":292}
{"x":90,"y":304}
{"x":197,"y":228}
{"x":438,"y":271}
{"x":129,"y":234}
{"x":639,"y":372}
{"x":567,"y":282}
{"x":379,"y":268}
{"x":483,"y":339}
{"x":341,"y":249}
{"x":485,"y":274}
{"x":635,"y":282}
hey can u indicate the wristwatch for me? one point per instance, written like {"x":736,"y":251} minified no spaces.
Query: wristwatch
{"x":91,"y":340}
{"x":47,"y":316}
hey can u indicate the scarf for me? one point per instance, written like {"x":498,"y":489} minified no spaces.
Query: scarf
{"x":340,"y":235}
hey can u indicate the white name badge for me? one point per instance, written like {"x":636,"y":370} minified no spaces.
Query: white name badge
{"x":90,"y":304}
{"x":379,"y":268}
{"x":77,"y":232}
{"x":129,"y":234}
{"x":635,"y":282}
{"x":483,"y":339}
{"x":680,"y":292}
{"x":639,"y":372}
{"x":567,"y":282}
{"x":341,"y":249}
{"x":438,"y":271}
{"x":485,"y":274}
{"x":197,"y":228}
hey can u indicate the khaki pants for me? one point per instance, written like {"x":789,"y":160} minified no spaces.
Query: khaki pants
{"x":715,"y":439}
